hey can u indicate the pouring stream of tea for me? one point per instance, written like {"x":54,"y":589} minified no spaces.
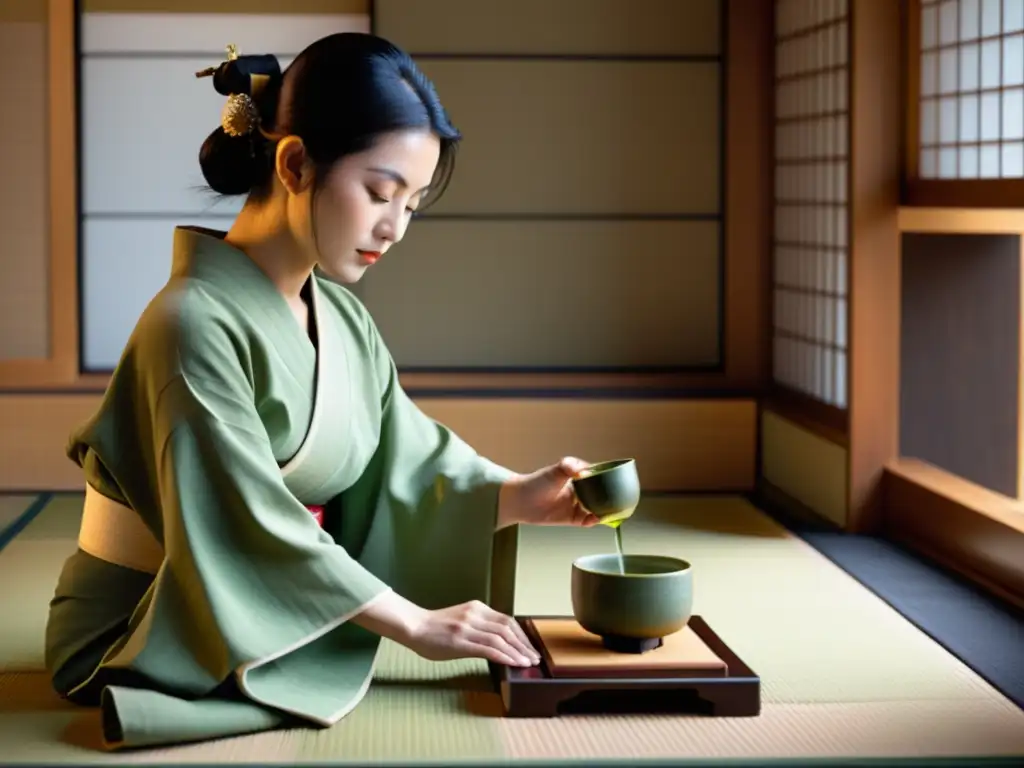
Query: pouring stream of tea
{"x":616,"y":525}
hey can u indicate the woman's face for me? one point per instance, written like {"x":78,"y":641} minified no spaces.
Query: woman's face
{"x":365,"y":203}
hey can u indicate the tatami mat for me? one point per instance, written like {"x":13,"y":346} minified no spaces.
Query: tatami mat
{"x":28,"y":569}
{"x":968,"y":621}
{"x":13,"y":506}
{"x":887,"y":729}
{"x":843,"y":674}
{"x":16,"y":511}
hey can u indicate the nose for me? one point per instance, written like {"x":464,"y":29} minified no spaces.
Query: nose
{"x":391,"y":226}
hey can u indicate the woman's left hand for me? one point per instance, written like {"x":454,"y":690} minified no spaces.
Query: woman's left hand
{"x":545,"y":497}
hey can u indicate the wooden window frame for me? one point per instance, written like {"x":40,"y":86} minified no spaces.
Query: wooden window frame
{"x":965,"y":527}
{"x":941,"y":193}
{"x":968,"y":529}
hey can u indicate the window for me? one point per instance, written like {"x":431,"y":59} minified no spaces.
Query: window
{"x":965,"y":127}
{"x":810,"y":243}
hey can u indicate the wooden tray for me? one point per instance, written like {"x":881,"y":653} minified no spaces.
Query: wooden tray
{"x":534,"y":692}
{"x":571,"y":651}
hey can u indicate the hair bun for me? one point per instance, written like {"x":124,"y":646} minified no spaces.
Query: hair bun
{"x":230,"y":165}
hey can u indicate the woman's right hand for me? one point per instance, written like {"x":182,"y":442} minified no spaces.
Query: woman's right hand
{"x":472,"y":629}
{"x":469,"y":630}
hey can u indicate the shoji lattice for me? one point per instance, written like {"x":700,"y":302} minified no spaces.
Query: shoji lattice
{"x":811,"y":213}
{"x":971,"y":116}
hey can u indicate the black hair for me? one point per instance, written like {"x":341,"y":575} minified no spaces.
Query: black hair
{"x":338,"y":96}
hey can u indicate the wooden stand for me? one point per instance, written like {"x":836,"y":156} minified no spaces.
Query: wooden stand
{"x":534,"y":692}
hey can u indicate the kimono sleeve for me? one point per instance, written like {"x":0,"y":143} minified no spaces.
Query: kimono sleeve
{"x":248,"y":576}
{"x":431,"y":498}
{"x":246,"y":555}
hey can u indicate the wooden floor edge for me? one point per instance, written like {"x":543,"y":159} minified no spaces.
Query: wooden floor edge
{"x":793,"y":514}
{"x":980,"y":547}
{"x":781,"y":506}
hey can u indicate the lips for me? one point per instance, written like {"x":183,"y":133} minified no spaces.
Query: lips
{"x":370,"y":257}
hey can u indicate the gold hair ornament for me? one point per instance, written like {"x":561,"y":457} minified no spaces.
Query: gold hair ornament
{"x":240,"y":116}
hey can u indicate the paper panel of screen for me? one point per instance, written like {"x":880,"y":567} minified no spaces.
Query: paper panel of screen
{"x":971,"y":117}
{"x":811,"y":213}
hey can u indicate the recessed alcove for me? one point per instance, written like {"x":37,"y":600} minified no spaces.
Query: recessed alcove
{"x":960,"y":354}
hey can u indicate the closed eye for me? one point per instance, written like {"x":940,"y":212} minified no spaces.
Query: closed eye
{"x":383,"y":200}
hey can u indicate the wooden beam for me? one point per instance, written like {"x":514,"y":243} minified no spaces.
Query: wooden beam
{"x":63,"y":165}
{"x":874,"y":312}
{"x":962,"y":221}
{"x":749,"y":148}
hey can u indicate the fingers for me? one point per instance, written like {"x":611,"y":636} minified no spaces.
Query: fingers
{"x":509,"y":630}
{"x":580,"y":516}
{"x":521,"y":633}
{"x":506,"y":638}
{"x":502,"y":634}
{"x":484,"y":645}
{"x":572,"y":466}
{"x":496,"y":646}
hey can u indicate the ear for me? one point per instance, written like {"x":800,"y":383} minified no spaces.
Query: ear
{"x":293,"y":166}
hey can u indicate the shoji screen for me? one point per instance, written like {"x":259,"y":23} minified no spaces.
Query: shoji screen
{"x":811,"y":206}
{"x":582,"y":227}
{"x":144,"y":117}
{"x":971,"y":81}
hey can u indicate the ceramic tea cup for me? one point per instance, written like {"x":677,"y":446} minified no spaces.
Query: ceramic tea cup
{"x":652,"y":599}
{"x":609,"y":490}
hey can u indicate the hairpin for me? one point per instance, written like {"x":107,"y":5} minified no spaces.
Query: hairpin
{"x":232,"y":55}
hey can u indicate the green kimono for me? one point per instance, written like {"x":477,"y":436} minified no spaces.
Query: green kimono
{"x":204,"y":599}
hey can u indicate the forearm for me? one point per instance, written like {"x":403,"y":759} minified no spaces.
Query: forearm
{"x":508,"y":503}
{"x":392,"y":616}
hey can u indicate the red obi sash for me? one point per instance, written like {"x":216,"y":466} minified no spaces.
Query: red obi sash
{"x":318,"y":513}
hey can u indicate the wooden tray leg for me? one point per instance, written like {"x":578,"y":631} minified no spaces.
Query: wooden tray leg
{"x":537,"y":703}
{"x":741,"y":700}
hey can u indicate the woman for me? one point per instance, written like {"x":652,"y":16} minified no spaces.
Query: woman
{"x":263,"y":500}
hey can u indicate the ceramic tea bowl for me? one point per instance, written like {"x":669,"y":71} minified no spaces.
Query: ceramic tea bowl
{"x":652,"y":599}
{"x":609,"y":490}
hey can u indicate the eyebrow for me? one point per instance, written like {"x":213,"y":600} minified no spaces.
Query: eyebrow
{"x":396,"y":176}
